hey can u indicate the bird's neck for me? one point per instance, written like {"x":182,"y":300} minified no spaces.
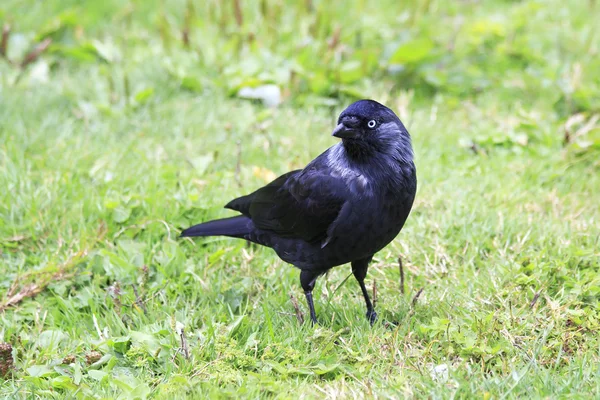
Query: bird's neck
{"x":389,"y":172}
{"x":356,"y":151}
{"x":359,"y":152}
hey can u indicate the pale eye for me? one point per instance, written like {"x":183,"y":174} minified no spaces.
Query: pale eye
{"x":372,"y":123}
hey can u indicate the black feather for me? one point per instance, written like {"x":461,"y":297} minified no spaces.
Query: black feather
{"x":233,"y":227}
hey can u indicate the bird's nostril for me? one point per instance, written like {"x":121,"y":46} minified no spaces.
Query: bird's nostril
{"x":351,"y":122}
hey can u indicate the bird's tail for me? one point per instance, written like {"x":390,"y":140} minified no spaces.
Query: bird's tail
{"x":234,"y":227}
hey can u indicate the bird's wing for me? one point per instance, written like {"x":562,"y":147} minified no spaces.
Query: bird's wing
{"x":304,"y":207}
{"x":242,"y":204}
{"x":301,"y":204}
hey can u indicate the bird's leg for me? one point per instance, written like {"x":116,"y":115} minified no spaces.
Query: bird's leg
{"x":307,"y":280}
{"x":359,"y":269}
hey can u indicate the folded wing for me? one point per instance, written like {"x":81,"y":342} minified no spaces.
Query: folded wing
{"x":302,"y":204}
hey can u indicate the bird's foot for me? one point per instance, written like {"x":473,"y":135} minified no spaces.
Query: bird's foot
{"x":391,"y":325}
{"x":372,"y":316}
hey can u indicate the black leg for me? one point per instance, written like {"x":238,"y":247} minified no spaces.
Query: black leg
{"x":359,"y":269}
{"x":307,"y":280}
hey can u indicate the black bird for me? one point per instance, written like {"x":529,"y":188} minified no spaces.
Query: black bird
{"x":344,"y":206}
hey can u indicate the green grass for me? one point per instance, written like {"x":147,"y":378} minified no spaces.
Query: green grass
{"x":118,"y":136}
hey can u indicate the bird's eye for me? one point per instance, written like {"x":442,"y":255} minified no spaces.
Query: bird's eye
{"x":372,"y":123}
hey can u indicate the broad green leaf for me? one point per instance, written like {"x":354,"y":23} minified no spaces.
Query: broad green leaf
{"x":63,"y":382}
{"x":147,"y":340}
{"x":322,"y":369}
{"x":40,"y":371}
{"x":97,"y":375}
{"x":121,"y":214}
{"x":412,"y":51}
{"x":50,"y":338}
{"x":191,"y":83}
{"x":144,"y":95}
{"x":120,"y":344}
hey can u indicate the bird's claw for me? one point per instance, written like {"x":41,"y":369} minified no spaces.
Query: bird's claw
{"x":372,"y":316}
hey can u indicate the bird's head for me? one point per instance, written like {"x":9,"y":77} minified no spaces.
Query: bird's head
{"x":368,"y":125}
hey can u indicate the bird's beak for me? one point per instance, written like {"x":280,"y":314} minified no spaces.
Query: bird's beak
{"x":344,"y":132}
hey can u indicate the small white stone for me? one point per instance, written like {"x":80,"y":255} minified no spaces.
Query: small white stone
{"x":439,"y":372}
{"x":270,"y":95}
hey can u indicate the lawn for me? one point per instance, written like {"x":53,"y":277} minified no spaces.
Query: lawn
{"x":122,"y":122}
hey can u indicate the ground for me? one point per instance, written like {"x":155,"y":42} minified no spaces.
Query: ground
{"x":125,"y":126}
